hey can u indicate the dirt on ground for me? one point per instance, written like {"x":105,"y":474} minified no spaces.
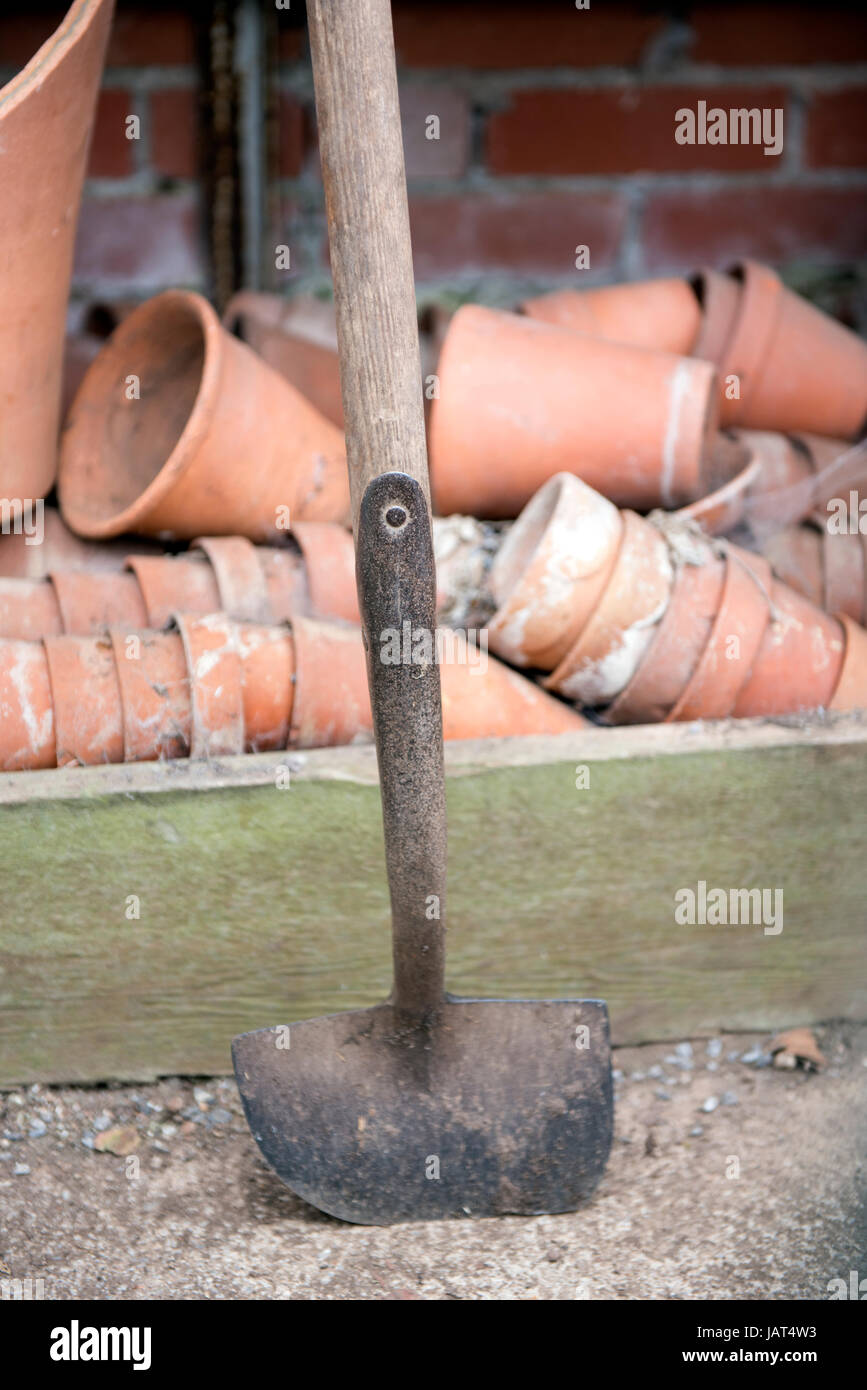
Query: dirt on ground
{"x":729,"y":1178}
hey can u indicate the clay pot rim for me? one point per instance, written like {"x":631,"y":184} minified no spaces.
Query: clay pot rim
{"x":48,"y":55}
{"x":543,"y":506}
{"x":81,"y":519}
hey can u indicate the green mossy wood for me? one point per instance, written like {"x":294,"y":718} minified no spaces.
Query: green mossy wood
{"x":262,"y":904}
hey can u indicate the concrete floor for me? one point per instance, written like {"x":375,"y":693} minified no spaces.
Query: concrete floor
{"x":193,"y":1212}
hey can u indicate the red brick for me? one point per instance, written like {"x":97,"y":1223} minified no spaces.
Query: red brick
{"x":622,"y":130}
{"x":292,"y":133}
{"x":148,"y":34}
{"x":175,"y":133}
{"x":495,"y":34}
{"x":526,"y":233}
{"x":447,"y":156}
{"x":741,"y":34}
{"x":145,"y":243}
{"x":111,"y":153}
{"x":291,"y":44}
{"x":682,"y":230}
{"x":837,"y":130}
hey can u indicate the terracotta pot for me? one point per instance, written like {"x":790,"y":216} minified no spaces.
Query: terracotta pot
{"x":298,"y":338}
{"x":676,"y":648}
{"x":46,"y":115}
{"x":718,"y":297}
{"x":764,"y":479}
{"x":175,"y":584}
{"x":797,"y":368}
{"x":551,"y":570}
{"x":285,"y":581}
{"x":797,"y":665}
{"x":212,"y":687}
{"x":828,"y":568}
{"x":735,"y":637}
{"x":480,"y":700}
{"x":155,"y":692}
{"x":23,"y":555}
{"x":851,"y":691}
{"x":241,"y":584}
{"x":722,"y":510}
{"x":217,"y":443}
{"x":329,"y":568}
{"x":221,"y":573}
{"x":91,"y":603}
{"x":27,"y":724}
{"x":619,"y":631}
{"x":216,"y":684}
{"x":28,"y":609}
{"x":268,"y":684}
{"x":660,"y":314}
{"x":844,"y":587}
{"x":496,"y":702}
{"x":795,"y":554}
{"x":521,"y":400}
{"x":86,"y":694}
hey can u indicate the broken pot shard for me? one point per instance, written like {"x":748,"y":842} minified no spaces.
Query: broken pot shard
{"x":46,"y":115}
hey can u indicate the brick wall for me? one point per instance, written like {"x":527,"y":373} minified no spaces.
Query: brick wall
{"x":556,"y":130}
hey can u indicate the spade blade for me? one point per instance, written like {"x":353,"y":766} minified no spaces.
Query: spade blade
{"x":498,"y":1106}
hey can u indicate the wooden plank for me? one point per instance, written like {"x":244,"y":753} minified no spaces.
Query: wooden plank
{"x":262,"y":904}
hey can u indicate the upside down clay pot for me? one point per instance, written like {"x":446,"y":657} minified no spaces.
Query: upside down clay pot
{"x":46,"y":116}
{"x":796,"y":368}
{"x":521,"y":400}
{"x":179,"y":430}
{"x":613,"y":641}
{"x":661,"y":314}
{"x":550,"y":571}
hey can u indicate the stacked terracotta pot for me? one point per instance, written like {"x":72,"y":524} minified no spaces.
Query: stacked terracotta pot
{"x":650,"y":621}
{"x":782,"y":363}
{"x":211,"y":687}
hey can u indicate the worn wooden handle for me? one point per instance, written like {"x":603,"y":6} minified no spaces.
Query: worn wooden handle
{"x":361,"y":148}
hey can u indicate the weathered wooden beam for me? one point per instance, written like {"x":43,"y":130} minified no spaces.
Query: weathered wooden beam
{"x":261,"y":901}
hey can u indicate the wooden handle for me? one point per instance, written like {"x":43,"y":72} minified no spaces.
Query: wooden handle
{"x":361,"y":147}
